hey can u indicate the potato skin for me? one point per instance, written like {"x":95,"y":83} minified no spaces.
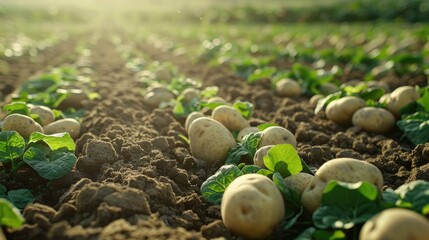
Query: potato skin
{"x":341,"y":110}
{"x":395,"y":224}
{"x":69,"y":125}
{"x":375,"y":120}
{"x":252,"y":206}
{"x":288,"y":88}
{"x":209,"y":140}
{"x":192,"y":117}
{"x":230,"y":117}
{"x":342,"y":169}
{"x":276,"y":135}
{"x":246,"y":131}
{"x":258,"y":159}
{"x":46,"y":114}
{"x":315,"y":99}
{"x":298,"y":182}
{"x":155,"y":97}
{"x":189,"y":94}
{"x":22,"y":124}
{"x":400,"y":97}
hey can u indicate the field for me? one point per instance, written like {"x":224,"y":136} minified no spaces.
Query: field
{"x":129,"y":73}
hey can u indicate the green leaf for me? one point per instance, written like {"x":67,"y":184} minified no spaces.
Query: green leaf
{"x":211,"y":105}
{"x":250,"y":169}
{"x":54,"y":141}
{"x":49,"y":164}
{"x":20,"y":197}
{"x":265,"y":172}
{"x":415,"y":129}
{"x":346,"y":204}
{"x":261,"y":73}
{"x":264,"y":126}
{"x":247,"y":147}
{"x":17,"y":107}
{"x":214,"y":187}
{"x":322,"y":103}
{"x":307,"y":234}
{"x":414,"y":195}
{"x":424,"y":99}
{"x":372,"y":93}
{"x":245,"y":108}
{"x":12,"y":145}
{"x":284,"y":159}
{"x":10,"y":215}
{"x":209,"y":92}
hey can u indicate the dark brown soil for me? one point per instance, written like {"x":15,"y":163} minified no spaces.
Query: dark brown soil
{"x":136,"y":178}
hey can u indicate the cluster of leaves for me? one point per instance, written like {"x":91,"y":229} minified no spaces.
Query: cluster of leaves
{"x":51,"y":156}
{"x":414,"y":121}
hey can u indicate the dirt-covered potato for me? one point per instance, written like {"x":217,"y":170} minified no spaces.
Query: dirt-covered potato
{"x":155,"y":97}
{"x":210,"y":140}
{"x":46,"y":114}
{"x":342,"y":169}
{"x":315,"y":99}
{"x":298,"y":182}
{"x":22,"y":124}
{"x":288,"y":88}
{"x":341,"y":110}
{"x":401,"y":97}
{"x":395,"y":224}
{"x":163,"y":75}
{"x":375,"y":120}
{"x":252,"y":206}
{"x":258,"y":159}
{"x":230,"y":117}
{"x":246,"y":131}
{"x":191,"y":117}
{"x":276,"y":135}
{"x":69,"y":125}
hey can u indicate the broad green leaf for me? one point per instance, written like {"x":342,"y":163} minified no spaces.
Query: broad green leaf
{"x":322,"y":103}
{"x":250,"y":169}
{"x":214,"y":187}
{"x":284,"y":159}
{"x":264,"y":126}
{"x":414,"y":194}
{"x":12,"y":145}
{"x":20,"y":197}
{"x":211,"y":105}
{"x":3,"y":191}
{"x":247,"y":147}
{"x":245,"y":108}
{"x":10,"y":215}
{"x":50,"y":164}
{"x":307,"y":234}
{"x":265,"y":172}
{"x":54,"y":141}
{"x":209,"y":92}
{"x":261,"y":73}
{"x":17,"y":107}
{"x":346,"y":204}
{"x":424,"y":100}
{"x":416,"y":130}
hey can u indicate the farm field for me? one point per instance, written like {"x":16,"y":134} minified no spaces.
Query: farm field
{"x":97,"y":99}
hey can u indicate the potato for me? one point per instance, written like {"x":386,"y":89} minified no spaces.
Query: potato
{"x":375,"y":120}
{"x":163,"y":75}
{"x":191,"y":117}
{"x":217,"y":100}
{"x":252,"y":206}
{"x":341,"y":110}
{"x":258,"y":159}
{"x":288,"y":88}
{"x":276,"y":135}
{"x":315,"y":99}
{"x":230,"y":117}
{"x":69,"y":125}
{"x":210,"y":140}
{"x":22,"y":124}
{"x":75,"y":98}
{"x":156,"y":97}
{"x":298,"y":182}
{"x":246,"y":131}
{"x":342,"y":169}
{"x":395,"y":224}
{"x":401,"y":97}
{"x":384,"y":98}
{"x":189,"y":94}
{"x":46,"y":114}
{"x":328,"y":88}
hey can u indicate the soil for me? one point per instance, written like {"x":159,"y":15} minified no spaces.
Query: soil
{"x":136,"y":177}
